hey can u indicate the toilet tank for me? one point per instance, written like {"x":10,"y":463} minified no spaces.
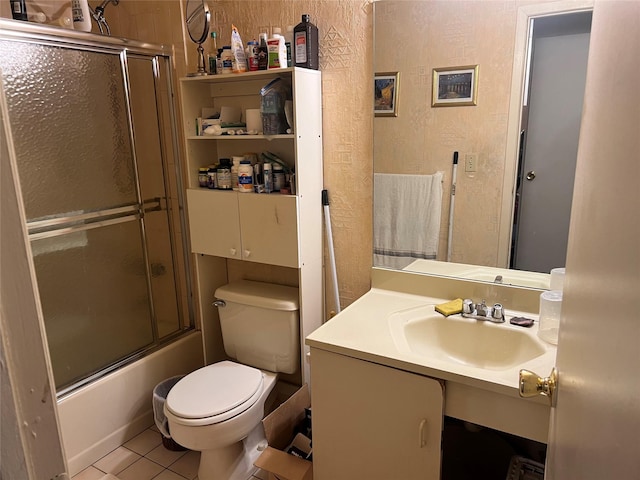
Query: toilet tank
{"x":260,"y":324}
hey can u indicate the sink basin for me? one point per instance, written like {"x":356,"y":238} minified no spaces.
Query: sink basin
{"x":481,"y":344}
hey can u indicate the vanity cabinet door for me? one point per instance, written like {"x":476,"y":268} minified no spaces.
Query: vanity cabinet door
{"x":373,"y":422}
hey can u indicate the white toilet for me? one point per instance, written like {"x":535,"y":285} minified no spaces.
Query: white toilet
{"x":218,"y":408}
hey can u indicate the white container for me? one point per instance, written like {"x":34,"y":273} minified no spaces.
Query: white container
{"x":277,"y":50}
{"x":245,"y":176}
{"x":234,"y":172}
{"x":227,"y":59}
{"x":81,"y":15}
{"x":557,"y":279}
{"x":550,"y":309}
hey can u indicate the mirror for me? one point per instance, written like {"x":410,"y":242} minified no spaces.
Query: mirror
{"x":198,"y":18}
{"x":474,"y":221}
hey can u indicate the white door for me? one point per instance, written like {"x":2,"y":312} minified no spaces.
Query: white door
{"x":595,"y":427}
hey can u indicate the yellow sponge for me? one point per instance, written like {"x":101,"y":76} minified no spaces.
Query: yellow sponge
{"x":450,"y":308}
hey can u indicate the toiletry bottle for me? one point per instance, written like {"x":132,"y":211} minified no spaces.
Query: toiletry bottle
{"x":288,"y":42}
{"x":223,"y":174}
{"x":305,"y":37}
{"x":278,"y":177}
{"x":227,"y":59}
{"x":81,"y":15}
{"x":19,"y":10}
{"x":245,"y":176}
{"x":252,"y":55}
{"x":268,"y":177}
{"x":276,"y":48}
{"x":212,"y":56}
{"x":263,"y":53}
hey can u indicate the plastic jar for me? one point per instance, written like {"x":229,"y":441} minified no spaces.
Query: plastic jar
{"x":278,"y":177}
{"x":227,"y":59}
{"x":203,"y":179}
{"x":245,"y":176}
{"x":223,"y":174}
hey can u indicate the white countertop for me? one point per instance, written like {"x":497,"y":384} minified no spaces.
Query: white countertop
{"x":362,"y":331}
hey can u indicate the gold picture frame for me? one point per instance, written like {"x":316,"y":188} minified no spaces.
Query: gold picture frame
{"x":455,"y":86}
{"x":385,"y":94}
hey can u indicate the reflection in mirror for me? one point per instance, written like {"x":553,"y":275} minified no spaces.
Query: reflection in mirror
{"x":198,"y":17}
{"x":419,"y":144}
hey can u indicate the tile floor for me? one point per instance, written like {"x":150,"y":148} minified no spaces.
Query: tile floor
{"x":144,"y":458}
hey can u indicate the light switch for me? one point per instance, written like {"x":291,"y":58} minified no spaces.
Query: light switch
{"x":470,"y":162}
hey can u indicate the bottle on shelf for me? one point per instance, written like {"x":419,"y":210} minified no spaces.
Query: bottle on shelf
{"x":223,"y":174}
{"x":305,"y":38}
{"x":227,"y":59}
{"x":19,"y":10}
{"x":81,"y":15}
{"x":288,"y":42}
{"x":263,"y":53}
{"x":245,"y":176}
{"x":267,"y":172}
{"x":252,"y":55}
{"x":277,"y":50}
{"x":212,"y":56}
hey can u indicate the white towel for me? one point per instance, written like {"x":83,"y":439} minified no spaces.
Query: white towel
{"x":406,"y":218}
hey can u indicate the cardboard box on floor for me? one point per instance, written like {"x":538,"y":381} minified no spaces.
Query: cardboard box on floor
{"x":279,"y":428}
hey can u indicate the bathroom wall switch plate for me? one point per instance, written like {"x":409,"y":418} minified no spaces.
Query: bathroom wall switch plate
{"x":470,"y":162}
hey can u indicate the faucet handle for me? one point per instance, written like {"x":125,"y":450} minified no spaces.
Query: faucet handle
{"x":468,"y":306}
{"x":483,"y":309}
{"x":498,"y":311}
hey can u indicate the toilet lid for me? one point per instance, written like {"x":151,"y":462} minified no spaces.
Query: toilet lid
{"x":215,"y":390}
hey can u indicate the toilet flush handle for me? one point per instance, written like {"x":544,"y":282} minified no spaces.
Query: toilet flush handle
{"x":219,"y":303}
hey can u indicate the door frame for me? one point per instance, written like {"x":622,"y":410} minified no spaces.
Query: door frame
{"x":30,"y":427}
{"x":518,"y":79}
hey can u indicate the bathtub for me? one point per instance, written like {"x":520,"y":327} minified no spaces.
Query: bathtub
{"x":100,"y":417}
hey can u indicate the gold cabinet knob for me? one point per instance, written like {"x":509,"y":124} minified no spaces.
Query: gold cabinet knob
{"x":531,"y":384}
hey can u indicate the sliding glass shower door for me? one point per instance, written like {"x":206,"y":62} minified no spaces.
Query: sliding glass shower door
{"x":93,"y":132}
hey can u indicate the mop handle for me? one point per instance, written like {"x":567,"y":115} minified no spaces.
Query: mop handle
{"x":451,"y":207}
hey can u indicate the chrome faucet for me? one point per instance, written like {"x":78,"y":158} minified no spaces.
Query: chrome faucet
{"x":482,"y":311}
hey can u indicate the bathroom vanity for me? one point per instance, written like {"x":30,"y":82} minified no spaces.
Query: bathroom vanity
{"x":388,"y":370}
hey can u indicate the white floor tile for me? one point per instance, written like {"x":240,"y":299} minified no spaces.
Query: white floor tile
{"x":143,"y":469}
{"x":117,"y":460}
{"x":163,"y":456}
{"x":144,"y":442}
{"x":169,"y":475}
{"x":187,"y":465}
{"x":90,"y":473}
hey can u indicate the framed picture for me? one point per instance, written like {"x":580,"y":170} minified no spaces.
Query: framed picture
{"x":385,"y":96}
{"x":455,"y":86}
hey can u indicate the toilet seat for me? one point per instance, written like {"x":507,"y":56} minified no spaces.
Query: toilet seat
{"x":214,"y":393}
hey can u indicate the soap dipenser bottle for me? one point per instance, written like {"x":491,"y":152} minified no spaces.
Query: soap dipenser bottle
{"x":305,"y":38}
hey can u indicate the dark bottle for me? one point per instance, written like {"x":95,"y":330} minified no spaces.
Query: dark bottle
{"x":19,"y":10}
{"x":263,"y":53}
{"x":305,"y":48}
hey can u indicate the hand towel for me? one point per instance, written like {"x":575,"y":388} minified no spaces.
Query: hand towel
{"x":406,"y":218}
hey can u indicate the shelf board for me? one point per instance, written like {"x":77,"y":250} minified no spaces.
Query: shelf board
{"x":241,"y":137}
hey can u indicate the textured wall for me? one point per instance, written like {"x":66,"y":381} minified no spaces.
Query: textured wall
{"x":422,"y":139}
{"x":345,"y":31}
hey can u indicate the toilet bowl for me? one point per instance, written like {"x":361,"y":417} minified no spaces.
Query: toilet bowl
{"x":218,"y":408}
{"x":214,"y":409}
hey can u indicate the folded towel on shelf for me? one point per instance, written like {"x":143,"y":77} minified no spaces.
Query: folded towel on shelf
{"x":406,"y":218}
